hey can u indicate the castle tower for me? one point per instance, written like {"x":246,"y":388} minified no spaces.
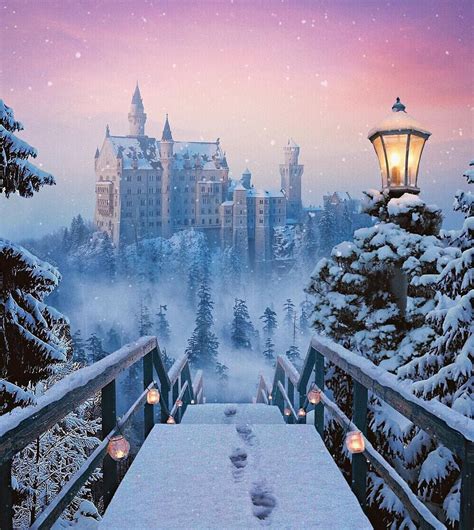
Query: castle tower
{"x":166,"y":158}
{"x":137,"y":116}
{"x":291,"y":173}
{"x":246,"y":179}
{"x":240,"y":222}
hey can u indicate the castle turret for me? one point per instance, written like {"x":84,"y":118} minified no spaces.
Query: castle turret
{"x":291,"y":173}
{"x":246,"y":178}
{"x":137,"y":116}
{"x":166,"y":159}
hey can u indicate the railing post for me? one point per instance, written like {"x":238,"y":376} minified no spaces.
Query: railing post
{"x":175,"y":395}
{"x":149,"y":410}
{"x":290,"y":390}
{"x":109,"y":419}
{"x":6,"y":496}
{"x":319,"y":380}
{"x":359,"y":463}
{"x":466,"y":521}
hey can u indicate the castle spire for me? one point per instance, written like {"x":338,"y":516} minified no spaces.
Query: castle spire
{"x":97,"y":152}
{"x":137,"y":116}
{"x":137,"y":97}
{"x":107,"y":131}
{"x":167,"y":136}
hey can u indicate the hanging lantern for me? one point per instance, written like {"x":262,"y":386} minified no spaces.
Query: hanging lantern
{"x":179,"y":402}
{"x":398,"y":142}
{"x":153,"y":396}
{"x":269,"y":397}
{"x":287,"y":411}
{"x":301,"y":413}
{"x":118,"y":447}
{"x":192,"y":401}
{"x":170,"y":420}
{"x":314,"y":395}
{"x":355,"y":442}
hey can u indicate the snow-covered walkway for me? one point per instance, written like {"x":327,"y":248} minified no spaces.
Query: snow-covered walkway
{"x":229,"y":473}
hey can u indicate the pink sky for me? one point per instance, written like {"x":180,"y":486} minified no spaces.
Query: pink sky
{"x":252,"y":73}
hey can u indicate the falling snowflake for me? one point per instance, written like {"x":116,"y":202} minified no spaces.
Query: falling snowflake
{"x":78,"y":55}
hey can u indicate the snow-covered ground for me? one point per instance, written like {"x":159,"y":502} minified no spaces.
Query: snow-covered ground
{"x":237,"y":475}
{"x":240,"y":413}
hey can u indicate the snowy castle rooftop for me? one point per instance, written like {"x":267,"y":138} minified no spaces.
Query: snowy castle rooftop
{"x":145,"y":151}
{"x":254,"y":192}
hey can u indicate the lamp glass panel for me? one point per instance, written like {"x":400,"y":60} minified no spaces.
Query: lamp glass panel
{"x":414,"y":155}
{"x":378,"y":146}
{"x":396,"y":149}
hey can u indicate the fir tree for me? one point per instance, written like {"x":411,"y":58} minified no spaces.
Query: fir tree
{"x":242,"y":328}
{"x":269,"y":319}
{"x":293,"y":354}
{"x":78,"y":233}
{"x":289,"y":310}
{"x":269,"y":351}
{"x":168,"y":361}
{"x":79,"y":348}
{"x":327,"y":226}
{"x":113,"y":342}
{"x":203,"y":344}
{"x":95,"y":349}
{"x":34,"y":337}
{"x":17,"y":174}
{"x":145,"y":325}
{"x":356,"y":306}
{"x":162,"y":326}
{"x":305,"y":311}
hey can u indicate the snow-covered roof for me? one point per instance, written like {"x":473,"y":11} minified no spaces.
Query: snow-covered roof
{"x":228,"y":203}
{"x":397,"y":121}
{"x":239,"y":187}
{"x":146,"y":151}
{"x":292,"y":143}
{"x":254,"y":192}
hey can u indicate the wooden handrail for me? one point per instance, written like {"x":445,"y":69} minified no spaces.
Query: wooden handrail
{"x":263,"y":391}
{"x":445,"y":425}
{"x":23,"y":426}
{"x":286,"y":399}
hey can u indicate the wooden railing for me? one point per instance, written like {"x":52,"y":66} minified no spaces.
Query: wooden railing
{"x":23,"y":426}
{"x":446,"y":426}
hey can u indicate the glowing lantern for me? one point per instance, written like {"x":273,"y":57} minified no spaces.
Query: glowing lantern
{"x":170,"y":420}
{"x":269,"y":397}
{"x":153,"y":396}
{"x":398,"y":142}
{"x":314,"y":395}
{"x":192,"y":401}
{"x":355,"y":442}
{"x":287,"y":412}
{"x":118,"y":447}
{"x":301,"y":413}
{"x":179,"y":403}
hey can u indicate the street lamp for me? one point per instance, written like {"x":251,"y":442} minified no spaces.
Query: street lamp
{"x":398,"y":142}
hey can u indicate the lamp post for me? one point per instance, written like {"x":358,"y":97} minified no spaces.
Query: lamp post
{"x":398,"y":142}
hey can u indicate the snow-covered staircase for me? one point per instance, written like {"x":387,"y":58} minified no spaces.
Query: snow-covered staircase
{"x":233,"y":466}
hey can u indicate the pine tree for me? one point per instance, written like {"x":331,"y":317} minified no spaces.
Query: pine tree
{"x":293,"y":354}
{"x":34,"y":337}
{"x":43,"y":467}
{"x":113,"y":341}
{"x":17,"y":174}
{"x":168,"y":361}
{"x":269,"y":351}
{"x":95,"y":349}
{"x":242,"y":328}
{"x":78,"y":233}
{"x":79,"y":353}
{"x":203,"y":344}
{"x":162,"y":326}
{"x":305,"y":311}
{"x":289,"y":310}
{"x":356,"y":306}
{"x":145,"y":325}
{"x":269,"y":319}
{"x":327,"y":226}
{"x":444,"y":373}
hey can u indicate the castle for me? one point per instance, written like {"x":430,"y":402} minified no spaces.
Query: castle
{"x":147,"y":188}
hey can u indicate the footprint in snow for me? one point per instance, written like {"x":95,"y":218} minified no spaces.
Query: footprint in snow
{"x":246,"y":433}
{"x":239,"y":459}
{"x":263,"y":500}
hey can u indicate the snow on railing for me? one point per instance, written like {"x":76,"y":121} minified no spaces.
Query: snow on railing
{"x":22,"y":426}
{"x":445,"y":425}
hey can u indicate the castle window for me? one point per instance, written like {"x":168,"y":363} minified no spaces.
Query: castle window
{"x":241,"y":221}
{"x":192,"y":221}
{"x":261,"y":221}
{"x":203,"y":221}
{"x":151,"y":223}
{"x":139,"y":191}
{"x":142,"y":213}
{"x":261,"y":212}
{"x":217,"y":221}
{"x":150,"y":177}
{"x":129,"y":178}
{"x":210,"y":221}
{"x":129,"y":191}
{"x":203,"y":189}
{"x":217,"y":210}
{"x":142,"y":202}
{"x":139,"y":178}
{"x":261,"y":201}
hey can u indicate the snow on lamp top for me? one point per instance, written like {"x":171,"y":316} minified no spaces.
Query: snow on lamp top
{"x":398,"y":142}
